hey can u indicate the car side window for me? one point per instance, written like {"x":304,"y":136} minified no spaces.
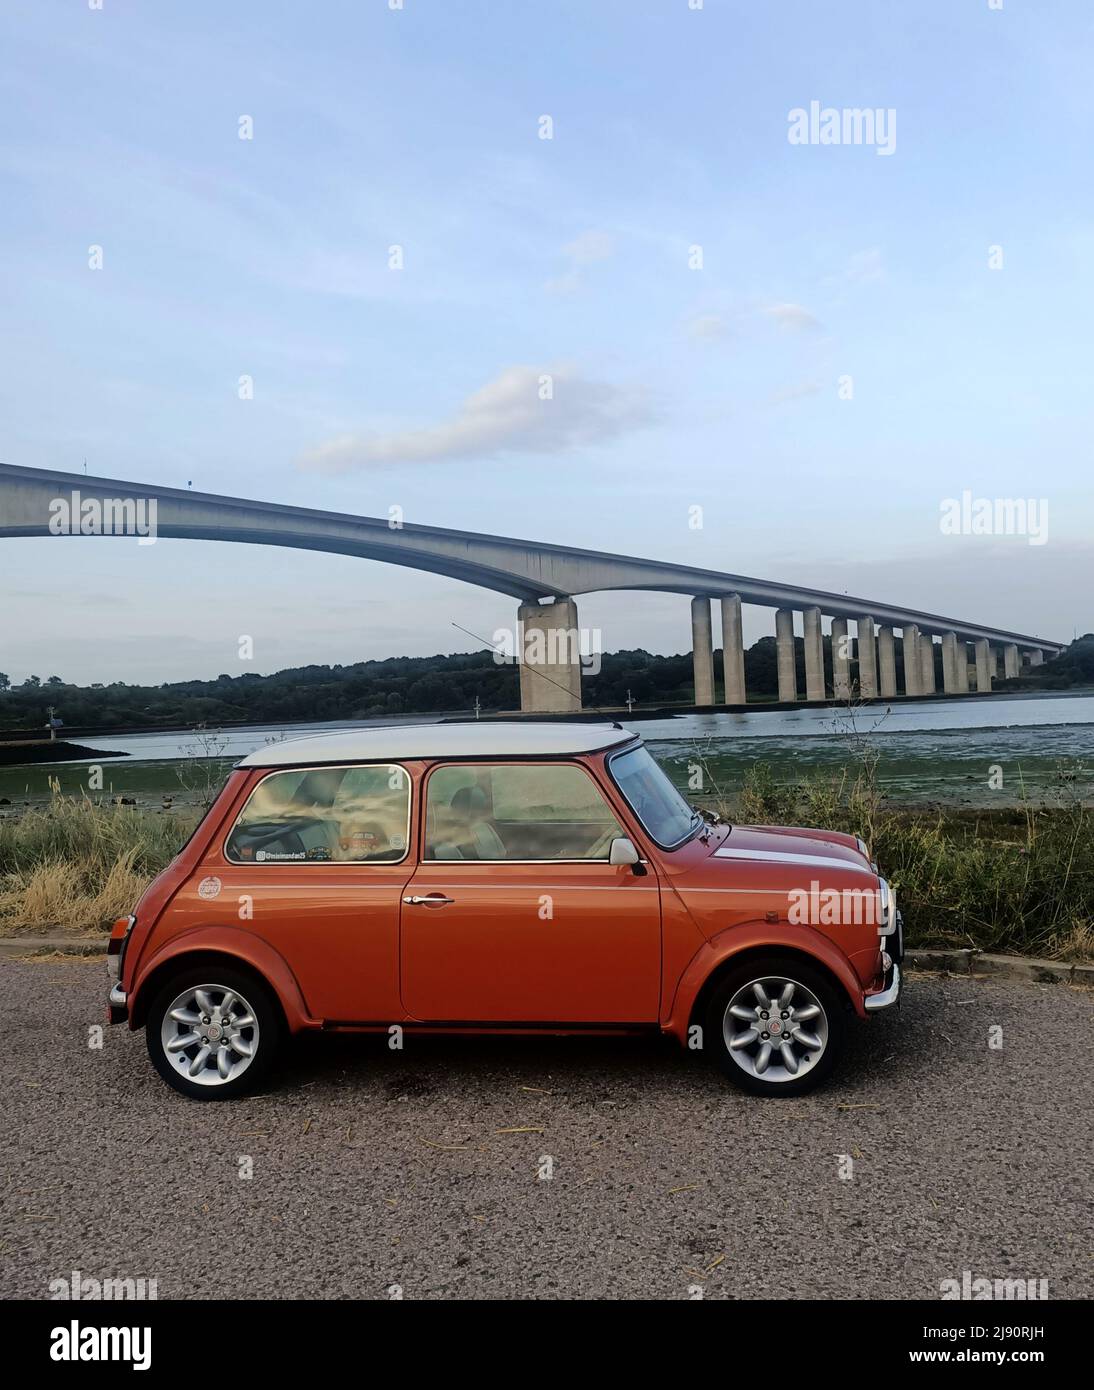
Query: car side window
{"x":350,"y":815}
{"x":516,"y":811}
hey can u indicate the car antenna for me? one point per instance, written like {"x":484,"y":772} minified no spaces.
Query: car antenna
{"x":593,"y":709}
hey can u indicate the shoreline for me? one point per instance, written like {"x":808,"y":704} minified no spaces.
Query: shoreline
{"x":33,"y":754}
{"x":9,"y":737}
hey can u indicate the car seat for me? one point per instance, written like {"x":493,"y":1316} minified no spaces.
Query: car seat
{"x":479,"y":838}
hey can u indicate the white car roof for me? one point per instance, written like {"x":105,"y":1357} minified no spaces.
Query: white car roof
{"x":482,"y":739}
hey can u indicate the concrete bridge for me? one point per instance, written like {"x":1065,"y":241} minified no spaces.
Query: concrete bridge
{"x":546,"y":578}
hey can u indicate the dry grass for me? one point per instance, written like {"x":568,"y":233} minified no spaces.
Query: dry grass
{"x":77,"y":865}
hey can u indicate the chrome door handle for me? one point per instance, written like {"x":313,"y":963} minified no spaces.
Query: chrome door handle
{"x":434,"y":900}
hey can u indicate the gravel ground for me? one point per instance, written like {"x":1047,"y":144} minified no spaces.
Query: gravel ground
{"x":373,"y":1168}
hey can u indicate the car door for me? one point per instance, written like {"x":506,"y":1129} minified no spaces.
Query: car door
{"x":317,"y":860}
{"x":515,"y":915}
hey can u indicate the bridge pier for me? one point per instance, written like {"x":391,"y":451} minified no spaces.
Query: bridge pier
{"x":867,"y":659}
{"x":550,"y":657}
{"x":1010,"y":661}
{"x":814,"y":654}
{"x":784,"y":654}
{"x":949,"y":664}
{"x":926,"y":663}
{"x":1036,"y":657}
{"x":983,"y":667}
{"x":912,"y":677}
{"x":961,"y":668}
{"x":886,"y":657}
{"x":733,"y":650}
{"x":841,"y":664}
{"x":702,"y":651}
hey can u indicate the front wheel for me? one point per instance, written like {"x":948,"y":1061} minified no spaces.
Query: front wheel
{"x":776,"y":1026}
{"x":212,"y":1032}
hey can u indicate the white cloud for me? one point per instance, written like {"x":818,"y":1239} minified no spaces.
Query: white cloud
{"x":742,"y":319}
{"x":707,"y":326}
{"x":569,"y":283}
{"x":590,"y":246}
{"x":792,"y":317}
{"x":795,"y":392}
{"x":584,"y":250}
{"x":507,"y":415}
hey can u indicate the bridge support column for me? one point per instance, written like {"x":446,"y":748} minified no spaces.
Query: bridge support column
{"x":784,"y":654}
{"x":867,"y":659}
{"x":961,"y":667}
{"x":1010,"y":661}
{"x":733,"y":650}
{"x":1036,"y":657}
{"x":550,"y":649}
{"x":949,"y":664}
{"x":912,"y":679}
{"x":841,"y":664}
{"x":814,"y":654}
{"x":702,"y":651}
{"x":926,"y":664}
{"x":886,"y":660}
{"x":983,"y":666}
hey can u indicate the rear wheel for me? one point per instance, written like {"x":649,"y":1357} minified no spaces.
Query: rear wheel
{"x":776,"y":1025}
{"x":213,"y":1033}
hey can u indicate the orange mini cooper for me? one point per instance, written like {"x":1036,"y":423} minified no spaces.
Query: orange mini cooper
{"x":497,"y":878}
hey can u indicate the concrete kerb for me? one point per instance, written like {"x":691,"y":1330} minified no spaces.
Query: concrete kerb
{"x":974,"y":962}
{"x":14,"y":947}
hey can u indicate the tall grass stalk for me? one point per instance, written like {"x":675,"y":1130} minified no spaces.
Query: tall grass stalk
{"x":78,"y":864}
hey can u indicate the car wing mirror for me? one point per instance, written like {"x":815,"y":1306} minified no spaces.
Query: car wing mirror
{"x":622,"y":851}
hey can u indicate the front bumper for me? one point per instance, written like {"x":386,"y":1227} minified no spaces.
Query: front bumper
{"x":887,"y":997}
{"x":118,"y":1002}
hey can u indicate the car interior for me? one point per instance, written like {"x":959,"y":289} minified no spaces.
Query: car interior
{"x":347,"y":815}
{"x":467,"y":827}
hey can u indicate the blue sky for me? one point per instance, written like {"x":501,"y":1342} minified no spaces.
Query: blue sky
{"x":675,"y":387}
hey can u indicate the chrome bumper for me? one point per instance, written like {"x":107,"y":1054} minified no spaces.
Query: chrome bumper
{"x":117,"y":997}
{"x":886,"y":998}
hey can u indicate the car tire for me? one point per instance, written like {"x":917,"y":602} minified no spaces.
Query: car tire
{"x":815,"y":1004}
{"x":236,"y":1027}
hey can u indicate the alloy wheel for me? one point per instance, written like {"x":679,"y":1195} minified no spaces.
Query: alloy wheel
{"x":210,"y":1034}
{"x":775,"y":1029}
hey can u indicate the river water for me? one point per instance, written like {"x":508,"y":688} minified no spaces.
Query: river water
{"x":964,"y":752}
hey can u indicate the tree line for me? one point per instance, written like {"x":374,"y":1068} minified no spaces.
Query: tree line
{"x":417,"y":685}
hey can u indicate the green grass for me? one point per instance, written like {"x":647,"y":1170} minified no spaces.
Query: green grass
{"x":1019,"y":881}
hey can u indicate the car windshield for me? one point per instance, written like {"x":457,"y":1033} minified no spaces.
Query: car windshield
{"x":664,"y":813}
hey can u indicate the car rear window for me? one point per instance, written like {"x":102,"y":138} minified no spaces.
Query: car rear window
{"x":348,"y":815}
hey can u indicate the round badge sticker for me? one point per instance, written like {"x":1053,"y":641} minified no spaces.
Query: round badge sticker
{"x":209,"y":888}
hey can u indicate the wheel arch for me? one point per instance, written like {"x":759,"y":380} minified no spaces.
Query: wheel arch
{"x":697,"y":1013}
{"x":721,"y":955}
{"x":249,"y":955}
